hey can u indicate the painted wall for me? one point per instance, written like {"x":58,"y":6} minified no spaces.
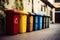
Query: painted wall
{"x":52,"y":1}
{"x":48,"y":10}
{"x":57,"y":5}
{"x":10,"y":5}
{"x":53,"y":13}
{"x":38,"y":4}
{"x":27,"y":4}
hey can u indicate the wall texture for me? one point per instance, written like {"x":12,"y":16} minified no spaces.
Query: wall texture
{"x":57,"y":5}
{"x":27,"y":4}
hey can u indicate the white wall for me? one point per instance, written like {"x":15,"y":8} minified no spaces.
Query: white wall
{"x":37,"y":6}
{"x":48,"y":10}
{"x":35,"y":3}
{"x":57,"y":5}
{"x":11,"y":3}
{"x":52,"y":1}
{"x":27,"y":5}
{"x":53,"y":13}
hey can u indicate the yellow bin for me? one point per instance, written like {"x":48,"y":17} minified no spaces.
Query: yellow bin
{"x":22,"y":21}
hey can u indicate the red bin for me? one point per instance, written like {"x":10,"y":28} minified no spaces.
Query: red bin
{"x":12,"y":22}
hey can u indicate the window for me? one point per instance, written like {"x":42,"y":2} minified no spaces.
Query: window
{"x":57,"y":9}
{"x":29,"y":1}
{"x":57,"y":0}
{"x":41,"y":7}
{"x":44,"y":8}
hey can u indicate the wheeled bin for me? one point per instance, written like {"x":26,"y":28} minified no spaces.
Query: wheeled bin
{"x":44,"y":22}
{"x":30,"y":22}
{"x":12,"y":17}
{"x":47,"y":21}
{"x":40,"y":22}
{"x":35,"y":22}
{"x":2,"y":23}
{"x":22,"y":21}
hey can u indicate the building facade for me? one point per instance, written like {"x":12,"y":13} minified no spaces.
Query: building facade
{"x":57,"y":11}
{"x":44,"y":7}
{"x":50,"y":9}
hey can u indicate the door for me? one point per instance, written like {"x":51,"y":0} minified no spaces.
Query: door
{"x":57,"y":17}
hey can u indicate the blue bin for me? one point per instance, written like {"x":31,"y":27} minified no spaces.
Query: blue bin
{"x":40,"y":22}
{"x":35,"y":23}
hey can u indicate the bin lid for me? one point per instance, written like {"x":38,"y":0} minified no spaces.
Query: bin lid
{"x":31,"y":13}
{"x":38,"y":14}
{"x":47,"y":16}
{"x":23,"y":12}
{"x":12,"y":11}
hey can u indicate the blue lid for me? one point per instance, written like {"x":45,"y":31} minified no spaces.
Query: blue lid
{"x":39,"y":14}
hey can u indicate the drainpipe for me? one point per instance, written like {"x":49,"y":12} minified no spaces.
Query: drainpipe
{"x":32,"y":7}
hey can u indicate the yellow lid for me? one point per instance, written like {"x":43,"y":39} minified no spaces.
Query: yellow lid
{"x":23,"y":12}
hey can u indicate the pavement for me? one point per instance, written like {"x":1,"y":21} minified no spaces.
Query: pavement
{"x":52,"y":33}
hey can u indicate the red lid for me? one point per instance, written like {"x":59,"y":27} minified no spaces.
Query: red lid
{"x":12,"y":11}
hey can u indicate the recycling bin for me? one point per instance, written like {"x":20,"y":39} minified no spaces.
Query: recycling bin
{"x":44,"y":22}
{"x":35,"y":22}
{"x":47,"y":21}
{"x":30,"y":22}
{"x":40,"y":22}
{"x":22,"y":21}
{"x":2,"y":24}
{"x":12,"y":17}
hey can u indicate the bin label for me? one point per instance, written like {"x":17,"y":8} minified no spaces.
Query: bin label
{"x":16,"y":20}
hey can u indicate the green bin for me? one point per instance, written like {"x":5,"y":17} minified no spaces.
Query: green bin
{"x":47,"y":21}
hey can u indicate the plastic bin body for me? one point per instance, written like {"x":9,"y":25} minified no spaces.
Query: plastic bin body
{"x":35,"y":24}
{"x":15,"y":17}
{"x":47,"y":22}
{"x":43,"y":22}
{"x":2,"y":23}
{"x":40,"y":23}
{"x":12,"y":22}
{"x":22,"y":22}
{"x":2,"y":26}
{"x":30,"y":23}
